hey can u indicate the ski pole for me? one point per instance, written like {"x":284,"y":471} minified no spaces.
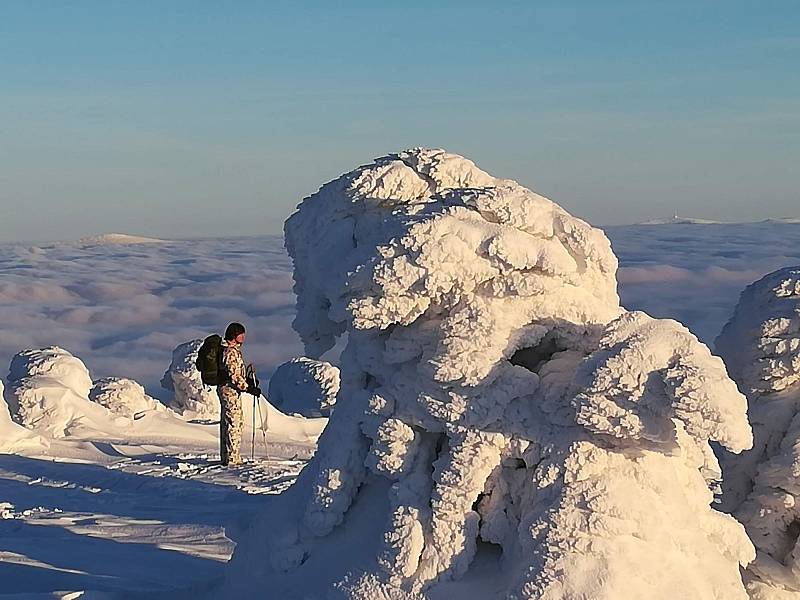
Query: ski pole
{"x":263,"y":431}
{"x":253,"y":441}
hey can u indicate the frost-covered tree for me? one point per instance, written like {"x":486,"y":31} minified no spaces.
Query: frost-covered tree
{"x":495,"y":400}
{"x":761,"y":345}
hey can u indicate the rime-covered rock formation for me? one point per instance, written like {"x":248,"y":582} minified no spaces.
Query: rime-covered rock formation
{"x":493,"y":392}
{"x":761,"y":346}
{"x":304,"y":386}
{"x":122,"y":396}
{"x":183,"y":379}
{"x":13,"y":436}
{"x":49,"y":393}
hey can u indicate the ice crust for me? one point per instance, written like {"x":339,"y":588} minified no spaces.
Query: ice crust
{"x":190,"y":397}
{"x":493,"y":391}
{"x":761,"y":345}
{"x":304,"y":386}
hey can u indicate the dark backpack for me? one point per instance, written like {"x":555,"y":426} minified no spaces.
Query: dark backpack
{"x":209,"y":361}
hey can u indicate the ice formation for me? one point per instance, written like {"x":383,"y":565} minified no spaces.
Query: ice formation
{"x":494,"y":395}
{"x":304,"y":386}
{"x":123,"y":397}
{"x":761,"y":345}
{"x":182,"y":378}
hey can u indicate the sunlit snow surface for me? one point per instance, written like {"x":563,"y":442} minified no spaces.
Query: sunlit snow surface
{"x":154,"y":518}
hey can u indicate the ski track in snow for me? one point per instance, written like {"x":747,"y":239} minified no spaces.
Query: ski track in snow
{"x":166,"y":520}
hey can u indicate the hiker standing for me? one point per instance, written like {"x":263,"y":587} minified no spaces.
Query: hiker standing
{"x":229,"y":392}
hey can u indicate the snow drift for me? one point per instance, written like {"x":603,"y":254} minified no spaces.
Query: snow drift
{"x":761,"y":345}
{"x":304,"y":386}
{"x":494,"y":397}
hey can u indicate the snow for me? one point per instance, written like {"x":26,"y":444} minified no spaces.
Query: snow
{"x":106,"y":490}
{"x":189,"y":395}
{"x":304,"y":386}
{"x":140,"y":507}
{"x":123,"y":396}
{"x":761,"y":346}
{"x":493,"y":391}
{"x":117,"y":238}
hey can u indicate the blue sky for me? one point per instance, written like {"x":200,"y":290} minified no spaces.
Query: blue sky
{"x":190,"y":119}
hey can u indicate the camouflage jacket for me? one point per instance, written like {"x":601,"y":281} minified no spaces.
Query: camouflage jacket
{"x":233,"y":363}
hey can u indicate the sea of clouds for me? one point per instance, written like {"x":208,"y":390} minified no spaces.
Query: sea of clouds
{"x":695,"y":273}
{"x":123,"y":308}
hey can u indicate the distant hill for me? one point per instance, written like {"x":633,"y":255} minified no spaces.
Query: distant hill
{"x":117,"y":238}
{"x":783,"y":220}
{"x":676,"y":220}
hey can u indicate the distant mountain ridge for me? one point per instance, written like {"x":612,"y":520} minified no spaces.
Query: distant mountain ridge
{"x":117,"y":238}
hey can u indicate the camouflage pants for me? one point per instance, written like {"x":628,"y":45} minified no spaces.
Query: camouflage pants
{"x":230,"y":425}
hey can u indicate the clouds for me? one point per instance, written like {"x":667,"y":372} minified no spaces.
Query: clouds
{"x":123,"y":309}
{"x":694,"y":273}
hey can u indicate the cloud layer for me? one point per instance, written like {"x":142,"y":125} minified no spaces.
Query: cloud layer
{"x":122,"y":309}
{"x":695,"y":273}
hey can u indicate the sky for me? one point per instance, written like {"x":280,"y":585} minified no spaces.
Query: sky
{"x":195,"y":119}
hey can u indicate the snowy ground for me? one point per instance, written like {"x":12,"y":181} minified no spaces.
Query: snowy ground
{"x":155,"y":516}
{"x":132,"y":518}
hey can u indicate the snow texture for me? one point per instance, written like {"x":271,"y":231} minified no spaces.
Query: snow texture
{"x":14,"y":437}
{"x":493,"y":392}
{"x":304,"y":386}
{"x":761,"y":345}
{"x":190,"y":395}
{"x":49,"y":391}
{"x":123,"y":397}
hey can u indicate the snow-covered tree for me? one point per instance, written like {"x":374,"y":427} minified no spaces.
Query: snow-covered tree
{"x":495,"y":400}
{"x":761,"y":346}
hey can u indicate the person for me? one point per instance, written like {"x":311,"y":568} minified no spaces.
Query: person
{"x":229,"y":392}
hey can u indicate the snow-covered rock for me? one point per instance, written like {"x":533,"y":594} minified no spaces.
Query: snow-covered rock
{"x":761,"y":345}
{"x":122,"y":396}
{"x":493,"y":391}
{"x":304,"y":386}
{"x":13,"y":436}
{"x":49,"y":393}
{"x":182,"y":378}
